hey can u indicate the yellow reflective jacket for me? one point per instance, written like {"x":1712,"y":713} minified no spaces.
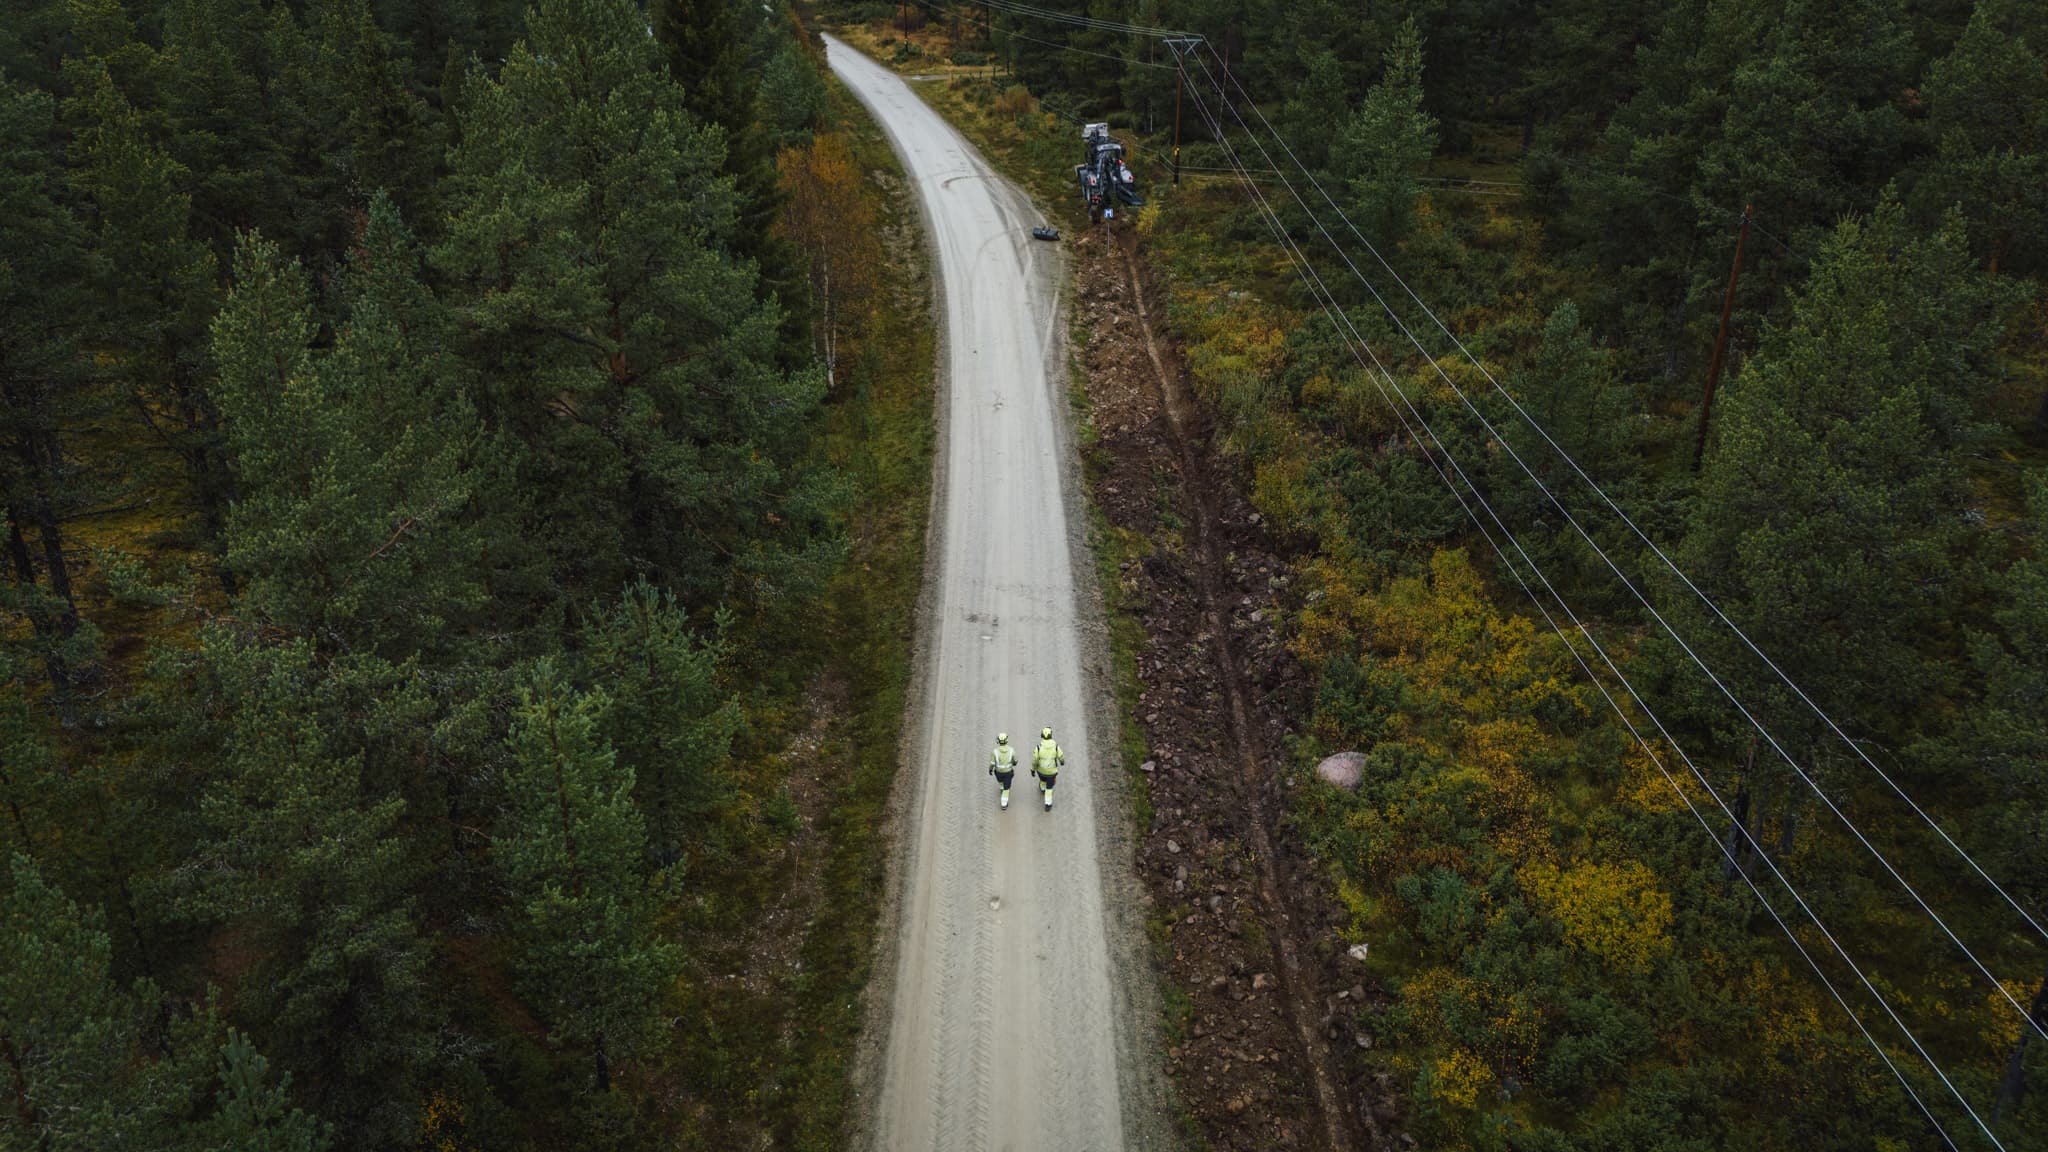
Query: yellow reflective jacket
{"x":1048,"y":758}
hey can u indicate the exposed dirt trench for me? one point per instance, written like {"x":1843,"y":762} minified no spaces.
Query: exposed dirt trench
{"x":1209,"y":572}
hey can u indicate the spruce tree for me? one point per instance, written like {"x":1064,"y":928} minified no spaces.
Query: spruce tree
{"x":254,"y":1114}
{"x":570,"y":849}
{"x":213,"y":86}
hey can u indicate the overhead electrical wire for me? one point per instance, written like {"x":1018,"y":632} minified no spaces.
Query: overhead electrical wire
{"x":1014,"y":7}
{"x":1376,"y":372}
{"x":934,"y":6}
{"x":1997,"y":984}
{"x":1019,"y":8}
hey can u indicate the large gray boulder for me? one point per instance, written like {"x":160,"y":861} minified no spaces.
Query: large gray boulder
{"x":1345,"y":769}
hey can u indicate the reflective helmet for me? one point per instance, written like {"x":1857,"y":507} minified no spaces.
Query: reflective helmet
{"x":1045,"y":733}
{"x":1002,"y":737}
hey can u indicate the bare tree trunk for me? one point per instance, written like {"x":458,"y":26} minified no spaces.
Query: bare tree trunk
{"x":17,"y":551}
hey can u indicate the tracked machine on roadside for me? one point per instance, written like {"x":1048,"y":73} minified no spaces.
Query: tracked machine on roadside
{"x":1104,"y":179}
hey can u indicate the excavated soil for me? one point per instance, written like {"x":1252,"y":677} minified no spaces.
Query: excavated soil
{"x":1247,"y":930}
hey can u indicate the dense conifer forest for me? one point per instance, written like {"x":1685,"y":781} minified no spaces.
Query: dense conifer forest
{"x":1572,"y":959}
{"x":427,"y":502}
{"x":441,"y":442}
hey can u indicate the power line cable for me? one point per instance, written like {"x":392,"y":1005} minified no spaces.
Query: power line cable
{"x":1587,"y":536}
{"x":1009,"y":5}
{"x":1601,"y":552}
{"x":933,"y":6}
{"x":1321,"y":293}
{"x":1016,"y":7}
{"x":1630,"y":585}
{"x":1615,"y":670}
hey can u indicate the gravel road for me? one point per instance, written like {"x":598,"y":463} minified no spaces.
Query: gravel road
{"x":1006,"y":1027}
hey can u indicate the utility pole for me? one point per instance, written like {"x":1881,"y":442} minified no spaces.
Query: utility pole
{"x":1180,"y":83}
{"x":1699,"y":448}
{"x":1179,"y":46}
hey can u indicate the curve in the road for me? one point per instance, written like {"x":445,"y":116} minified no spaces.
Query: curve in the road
{"x":1004,"y":1031}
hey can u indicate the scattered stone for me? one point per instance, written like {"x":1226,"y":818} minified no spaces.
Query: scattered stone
{"x":1173,"y":846}
{"x":1262,"y":981}
{"x":1356,"y":951}
{"x":1147,"y":766}
{"x":1364,"y":1039}
{"x":1344,"y":770}
{"x":1258,"y":615}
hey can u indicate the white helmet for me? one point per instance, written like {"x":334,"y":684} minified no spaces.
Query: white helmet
{"x":1045,"y":733}
{"x":1002,"y":737}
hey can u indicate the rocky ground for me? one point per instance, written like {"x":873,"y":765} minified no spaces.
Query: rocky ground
{"x":1264,"y":1034}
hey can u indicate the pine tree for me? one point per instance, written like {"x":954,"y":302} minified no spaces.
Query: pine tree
{"x":254,"y":1114}
{"x":43,"y":386}
{"x":154,"y":281}
{"x":2005,"y":745}
{"x":1812,"y":128}
{"x":708,"y":56}
{"x":75,"y":1079}
{"x":1987,"y":110}
{"x":570,"y":850}
{"x":313,"y":876}
{"x":1385,"y":142}
{"x":670,"y":721}
{"x":211,"y":84}
{"x":94,"y":1067}
{"x":1829,"y":516}
{"x":631,"y":369}
{"x":29,"y":773}
{"x":354,"y":527}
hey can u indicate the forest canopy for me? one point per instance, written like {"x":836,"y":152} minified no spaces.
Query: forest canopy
{"x":417,"y":471}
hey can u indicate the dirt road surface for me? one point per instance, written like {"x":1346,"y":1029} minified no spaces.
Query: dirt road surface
{"x":1006,"y":1027}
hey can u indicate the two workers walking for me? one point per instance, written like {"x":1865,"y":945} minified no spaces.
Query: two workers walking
{"x":1045,"y":764}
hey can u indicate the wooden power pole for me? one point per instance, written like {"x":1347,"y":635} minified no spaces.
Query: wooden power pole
{"x":1699,"y":448}
{"x":1180,"y":47}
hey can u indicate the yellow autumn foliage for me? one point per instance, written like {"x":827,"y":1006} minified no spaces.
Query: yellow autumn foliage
{"x":1615,"y":912}
{"x":1459,"y":1076}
